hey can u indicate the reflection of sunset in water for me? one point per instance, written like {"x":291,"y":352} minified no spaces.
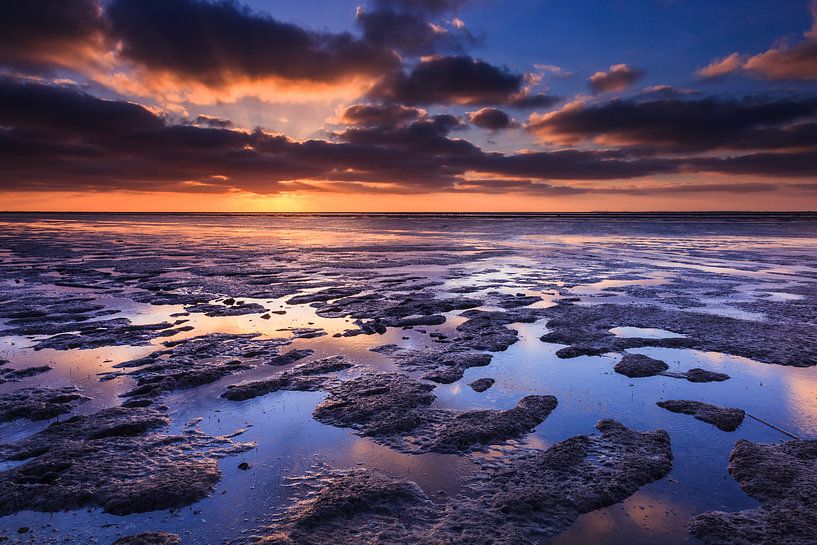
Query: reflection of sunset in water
{"x":639,"y":518}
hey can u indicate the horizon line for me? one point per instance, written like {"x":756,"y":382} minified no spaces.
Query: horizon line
{"x":347,"y":212}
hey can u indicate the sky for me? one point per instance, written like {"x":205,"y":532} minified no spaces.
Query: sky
{"x":408,"y":105}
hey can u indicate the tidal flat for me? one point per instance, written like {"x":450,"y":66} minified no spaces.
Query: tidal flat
{"x":639,"y":379}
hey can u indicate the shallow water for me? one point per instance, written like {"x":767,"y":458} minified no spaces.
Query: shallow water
{"x":592,"y":258}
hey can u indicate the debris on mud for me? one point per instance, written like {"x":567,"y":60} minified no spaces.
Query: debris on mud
{"x":39,"y":403}
{"x":114,"y":460}
{"x":783,"y":478}
{"x":724,"y":418}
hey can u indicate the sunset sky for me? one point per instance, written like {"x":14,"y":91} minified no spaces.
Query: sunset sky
{"x":408,"y":105}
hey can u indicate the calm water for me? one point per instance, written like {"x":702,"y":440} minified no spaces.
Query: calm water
{"x":586,"y":256}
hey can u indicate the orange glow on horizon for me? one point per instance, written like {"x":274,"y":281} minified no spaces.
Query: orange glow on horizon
{"x":123,"y":201}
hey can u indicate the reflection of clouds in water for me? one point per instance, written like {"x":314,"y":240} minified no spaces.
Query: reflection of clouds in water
{"x":433,"y":472}
{"x":628,"y":332}
{"x":641,"y":518}
{"x":802,"y":400}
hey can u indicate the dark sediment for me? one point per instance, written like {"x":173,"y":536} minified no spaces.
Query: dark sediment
{"x":74,"y":322}
{"x":724,"y":418}
{"x":783,"y":477}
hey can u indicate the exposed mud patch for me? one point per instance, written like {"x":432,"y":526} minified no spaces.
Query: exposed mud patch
{"x":112,"y":460}
{"x":14,"y":375}
{"x":724,"y":418}
{"x":639,"y":365}
{"x":39,"y":403}
{"x":442,"y":365}
{"x":308,"y":376}
{"x":531,"y":495}
{"x":291,"y":357}
{"x":697,"y":374}
{"x":585,"y":329}
{"x":482,"y":384}
{"x":192,"y":362}
{"x":396,"y":410}
{"x":783,"y":477}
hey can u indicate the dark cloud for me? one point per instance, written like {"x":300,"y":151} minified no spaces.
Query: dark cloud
{"x":570,"y":165}
{"x":618,"y":78}
{"x":491,"y":119}
{"x":215,"y":42}
{"x":41,"y":34}
{"x":414,"y":28}
{"x":425,"y":135}
{"x":801,"y":164}
{"x":57,"y":138}
{"x":213,"y":122}
{"x":677,"y":125}
{"x":370,"y":115}
{"x":35,"y":107}
{"x":451,"y":80}
{"x":539,"y":188}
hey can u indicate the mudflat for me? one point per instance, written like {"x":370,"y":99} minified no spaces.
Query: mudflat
{"x":416,"y":378}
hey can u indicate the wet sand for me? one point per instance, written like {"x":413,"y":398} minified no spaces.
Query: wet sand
{"x":287,"y":378}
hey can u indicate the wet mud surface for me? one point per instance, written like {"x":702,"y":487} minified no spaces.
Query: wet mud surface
{"x":782,"y":477}
{"x":393,"y":379}
{"x":724,"y":418}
